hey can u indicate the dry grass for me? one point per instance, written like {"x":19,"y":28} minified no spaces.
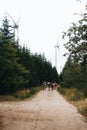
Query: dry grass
{"x":77,"y":98}
{"x":20,"y":95}
{"x":82,"y":106}
{"x":7,"y":98}
{"x":13,"y":97}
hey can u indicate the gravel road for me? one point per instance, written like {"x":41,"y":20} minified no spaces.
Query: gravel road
{"x":48,"y":110}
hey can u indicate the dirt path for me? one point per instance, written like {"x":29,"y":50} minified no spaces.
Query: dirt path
{"x":47,"y":111}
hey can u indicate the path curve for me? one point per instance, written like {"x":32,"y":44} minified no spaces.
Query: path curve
{"x":47,"y":111}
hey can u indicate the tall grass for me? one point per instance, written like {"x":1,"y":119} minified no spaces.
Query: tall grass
{"x":76,"y":97}
{"x":21,"y":95}
{"x":72,"y":94}
{"x":27,"y":94}
{"x":82,"y":106}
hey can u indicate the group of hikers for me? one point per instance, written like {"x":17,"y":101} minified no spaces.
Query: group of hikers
{"x":50,"y":85}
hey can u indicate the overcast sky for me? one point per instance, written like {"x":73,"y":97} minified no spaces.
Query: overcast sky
{"x":42,"y":23}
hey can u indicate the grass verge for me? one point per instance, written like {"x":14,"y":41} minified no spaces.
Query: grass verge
{"x":21,"y":95}
{"x":24,"y":94}
{"x":76,"y":97}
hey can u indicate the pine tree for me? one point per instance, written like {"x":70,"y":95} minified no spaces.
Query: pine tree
{"x":11,"y":71}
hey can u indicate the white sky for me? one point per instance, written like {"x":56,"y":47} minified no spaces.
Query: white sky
{"x":42,"y":23}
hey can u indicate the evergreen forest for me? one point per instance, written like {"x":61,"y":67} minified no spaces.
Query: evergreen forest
{"x":19,"y":67}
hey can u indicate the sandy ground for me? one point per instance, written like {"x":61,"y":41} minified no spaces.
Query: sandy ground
{"x":47,"y":111}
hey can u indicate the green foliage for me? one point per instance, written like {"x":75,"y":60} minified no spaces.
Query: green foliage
{"x":11,"y":71}
{"x":39,"y":69}
{"x":74,"y":73}
{"x":19,"y":68}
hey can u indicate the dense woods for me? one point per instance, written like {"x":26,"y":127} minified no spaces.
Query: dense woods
{"x":19,"y":68}
{"x":74,"y":73}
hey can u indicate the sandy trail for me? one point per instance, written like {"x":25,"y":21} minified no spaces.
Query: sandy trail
{"x":47,"y":111}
